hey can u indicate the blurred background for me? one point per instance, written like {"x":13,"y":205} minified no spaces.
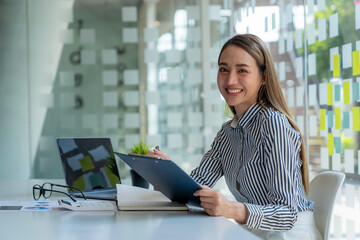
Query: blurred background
{"x":146,"y":70}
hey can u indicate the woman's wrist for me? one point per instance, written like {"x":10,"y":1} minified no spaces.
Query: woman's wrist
{"x":238,"y":212}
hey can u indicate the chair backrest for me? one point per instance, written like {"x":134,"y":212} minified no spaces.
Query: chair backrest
{"x":323,"y":190}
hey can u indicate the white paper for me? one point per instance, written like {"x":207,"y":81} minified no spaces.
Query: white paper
{"x":322,"y":29}
{"x":32,"y":206}
{"x":129,"y":14}
{"x":336,"y":162}
{"x":152,"y":97}
{"x":175,"y":141}
{"x":290,"y":97}
{"x":87,"y":35}
{"x":282,"y":71}
{"x":324,"y":158}
{"x":323,"y":93}
{"x":333,"y":51}
{"x":131,"y":139}
{"x":151,"y":56}
{"x":89,"y":121}
{"x":193,"y":12}
{"x":193,"y":34}
{"x":347,"y":55}
{"x":334,"y":25}
{"x":300,"y":96}
{"x":357,"y":16}
{"x":173,"y":76}
{"x":298,"y":38}
{"x":173,"y":98}
{"x":214,"y":12}
{"x":88,"y":57}
{"x":132,"y":193}
{"x":109,"y":56}
{"x":173,"y":56}
{"x":131,"y":98}
{"x":193,"y":55}
{"x":194,"y":76}
{"x":130,"y":35}
{"x":195,"y":119}
{"x":313,"y":126}
{"x":299,"y":67}
{"x":151,"y":34}
{"x":312,"y":94}
{"x":131,"y":77}
{"x":312,"y":64}
{"x":132,"y":120}
{"x":110,"y":99}
{"x":110,"y":77}
{"x":349,"y":161}
{"x":195,"y":140}
{"x":311,"y":33}
{"x":110,"y":121}
{"x":174,"y":120}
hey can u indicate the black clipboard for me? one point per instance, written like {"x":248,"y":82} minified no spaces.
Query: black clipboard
{"x":165,"y":176}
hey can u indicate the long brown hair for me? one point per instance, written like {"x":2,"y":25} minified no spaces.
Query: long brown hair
{"x":270,"y":94}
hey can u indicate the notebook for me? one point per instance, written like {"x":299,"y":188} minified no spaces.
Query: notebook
{"x":165,"y":176}
{"x":89,"y":165}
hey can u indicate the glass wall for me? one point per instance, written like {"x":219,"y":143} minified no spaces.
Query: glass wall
{"x":146,"y":70}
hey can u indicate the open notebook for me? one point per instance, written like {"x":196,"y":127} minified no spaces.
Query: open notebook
{"x":136,"y":198}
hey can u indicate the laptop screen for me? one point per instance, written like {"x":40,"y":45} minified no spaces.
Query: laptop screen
{"x":88,"y":163}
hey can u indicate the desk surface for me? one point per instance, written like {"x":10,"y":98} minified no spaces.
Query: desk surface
{"x":108,"y":225}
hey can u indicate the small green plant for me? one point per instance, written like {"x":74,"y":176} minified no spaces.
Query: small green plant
{"x":140,"y":148}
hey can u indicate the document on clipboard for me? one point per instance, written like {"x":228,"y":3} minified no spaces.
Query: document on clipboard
{"x":165,"y":176}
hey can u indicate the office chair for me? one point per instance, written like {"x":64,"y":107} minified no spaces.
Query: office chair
{"x":323,"y":190}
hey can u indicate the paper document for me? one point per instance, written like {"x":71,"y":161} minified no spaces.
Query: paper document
{"x":136,"y":198}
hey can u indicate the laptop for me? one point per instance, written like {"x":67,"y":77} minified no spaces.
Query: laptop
{"x":89,"y":165}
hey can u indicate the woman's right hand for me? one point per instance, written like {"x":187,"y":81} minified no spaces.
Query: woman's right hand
{"x":158,"y":153}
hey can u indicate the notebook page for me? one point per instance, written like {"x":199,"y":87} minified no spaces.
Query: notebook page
{"x":131,"y":193}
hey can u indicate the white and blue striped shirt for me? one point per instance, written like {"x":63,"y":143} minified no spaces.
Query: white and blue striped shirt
{"x":260,"y":159}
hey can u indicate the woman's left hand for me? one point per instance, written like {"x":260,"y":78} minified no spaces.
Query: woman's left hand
{"x":215,"y":204}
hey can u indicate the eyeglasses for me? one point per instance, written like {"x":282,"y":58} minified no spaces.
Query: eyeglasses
{"x":47,"y":189}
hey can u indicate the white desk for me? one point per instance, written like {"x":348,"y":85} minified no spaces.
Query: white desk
{"x":118,"y":225}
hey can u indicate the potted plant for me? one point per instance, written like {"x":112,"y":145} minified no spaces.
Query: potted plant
{"x":139,"y":149}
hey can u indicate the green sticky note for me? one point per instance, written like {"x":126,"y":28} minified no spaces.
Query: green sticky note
{"x":330,"y":117}
{"x":336,"y":66}
{"x":337,"y":92}
{"x":346,"y":86}
{"x":355,"y":91}
{"x":356,"y":63}
{"x":322,"y":119}
{"x":355,"y":113}
{"x":329,"y":94}
{"x":346,"y":120}
{"x":86,"y":163}
{"x":337,"y":142}
{"x":331,"y":144}
{"x":337,"y":118}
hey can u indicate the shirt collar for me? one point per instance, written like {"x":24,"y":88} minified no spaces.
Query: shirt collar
{"x":246,"y":119}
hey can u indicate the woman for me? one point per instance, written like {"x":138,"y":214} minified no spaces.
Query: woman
{"x":260,"y":151}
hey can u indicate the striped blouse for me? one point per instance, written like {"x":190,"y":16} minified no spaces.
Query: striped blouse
{"x":259,"y":156}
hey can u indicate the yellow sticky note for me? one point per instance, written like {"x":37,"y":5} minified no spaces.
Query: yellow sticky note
{"x":331,"y":144}
{"x":86,"y":163}
{"x":336,"y":65}
{"x":346,"y":87}
{"x":337,"y":118}
{"x":329,"y":94}
{"x":322,"y":119}
{"x":356,"y":63}
{"x":355,"y":113}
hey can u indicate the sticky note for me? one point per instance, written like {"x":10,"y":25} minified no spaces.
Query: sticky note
{"x":193,"y":55}
{"x":153,"y":139}
{"x":289,"y":42}
{"x":337,"y":118}
{"x":87,"y":57}
{"x":214,"y":12}
{"x":129,"y":14}
{"x":266,"y":24}
{"x":281,"y":47}
{"x":110,"y":77}
{"x":333,"y":51}
{"x":290,"y":97}
{"x":132,"y":120}
{"x":193,"y":34}
{"x":300,"y":96}
{"x":322,"y":29}
{"x":195,"y":119}
{"x":312,"y":126}
{"x":336,"y":67}
{"x":346,"y":88}
{"x":337,"y":142}
{"x":193,"y":12}
{"x":86,"y":163}
{"x":299,"y":67}
{"x":322,"y":119}
{"x":109,"y":56}
{"x":330,"y":118}
{"x":131,"y":98}
{"x":110,"y":121}
{"x":151,"y":56}
{"x":312,"y":64}
{"x":110,"y":99}
{"x":151,"y":34}
{"x":355,"y":114}
{"x":312,"y":94}
{"x":331,"y":144}
{"x":173,"y":98}
{"x":329,"y":94}
{"x":336,"y":162}
{"x":323,"y":93}
{"x":310,"y":4}
{"x":321,"y":4}
{"x":324,"y":158}
{"x":175,"y":140}
{"x":311,"y":33}
{"x":300,"y":123}
{"x":346,"y":55}
{"x":282,"y":73}
{"x":89,"y":121}
{"x":298,"y":39}
{"x":173,"y":75}
{"x":355,"y":91}
{"x":356,"y":63}
{"x":357,"y":16}
{"x":349,"y":160}
{"x":87,"y":35}
{"x":334,"y":25}
{"x":130,"y":35}
{"x":346,"y":120}
{"x":174,"y":120}
{"x":350,"y":202}
{"x":337,"y":92}
{"x":173,"y":56}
